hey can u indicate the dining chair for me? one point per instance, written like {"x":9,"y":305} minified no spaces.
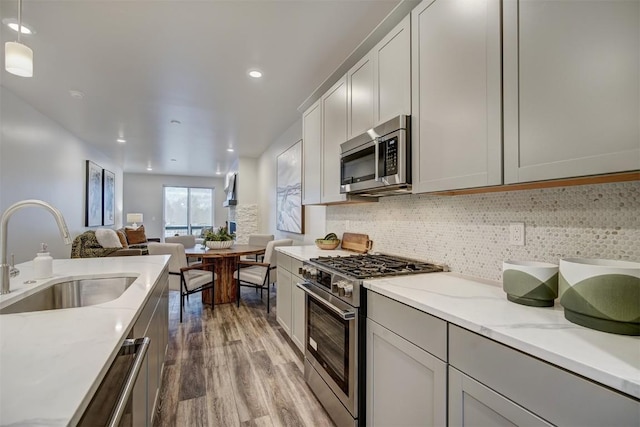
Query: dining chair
{"x":259,"y":275}
{"x":188,"y":241}
{"x":257,"y":240}
{"x":188,"y":279}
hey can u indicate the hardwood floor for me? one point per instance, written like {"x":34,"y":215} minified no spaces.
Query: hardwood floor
{"x":233,"y":368}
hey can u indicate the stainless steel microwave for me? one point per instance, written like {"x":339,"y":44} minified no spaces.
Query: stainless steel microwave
{"x":378,"y":162}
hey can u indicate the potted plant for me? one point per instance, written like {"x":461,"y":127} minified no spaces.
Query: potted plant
{"x":219,"y":239}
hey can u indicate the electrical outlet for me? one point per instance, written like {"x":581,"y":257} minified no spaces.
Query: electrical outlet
{"x":516,"y":233}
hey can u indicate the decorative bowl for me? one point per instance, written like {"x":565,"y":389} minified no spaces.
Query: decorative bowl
{"x":327,"y":244}
{"x":219,"y":244}
{"x":601,"y":294}
{"x":530,"y":282}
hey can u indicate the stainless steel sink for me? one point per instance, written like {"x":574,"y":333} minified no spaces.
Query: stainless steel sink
{"x":76,"y":293}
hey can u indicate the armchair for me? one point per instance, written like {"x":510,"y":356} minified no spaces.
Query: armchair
{"x":259,"y":275}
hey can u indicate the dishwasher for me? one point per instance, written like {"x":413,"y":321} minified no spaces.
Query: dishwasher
{"x":112,"y":404}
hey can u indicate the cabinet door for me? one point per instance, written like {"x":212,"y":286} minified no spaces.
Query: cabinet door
{"x":283,"y":300}
{"x":457,"y":136}
{"x":406,"y":386}
{"x":334,"y":133}
{"x":473,"y":404}
{"x":571,"y":88}
{"x":298,"y":325}
{"x":311,"y":154}
{"x":360,"y":97}
{"x":392,"y":76}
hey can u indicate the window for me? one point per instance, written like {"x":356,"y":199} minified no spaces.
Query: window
{"x":187,"y":210}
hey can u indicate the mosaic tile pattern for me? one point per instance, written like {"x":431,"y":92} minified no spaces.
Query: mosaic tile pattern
{"x":470,"y":233}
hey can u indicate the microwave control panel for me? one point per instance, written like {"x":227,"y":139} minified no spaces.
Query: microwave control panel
{"x":390,"y":153}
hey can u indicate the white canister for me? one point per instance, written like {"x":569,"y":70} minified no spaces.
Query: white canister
{"x":43,"y":264}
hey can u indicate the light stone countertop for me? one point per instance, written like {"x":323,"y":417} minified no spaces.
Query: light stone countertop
{"x":304,"y":253}
{"x":481,"y":306}
{"x":51,"y":362}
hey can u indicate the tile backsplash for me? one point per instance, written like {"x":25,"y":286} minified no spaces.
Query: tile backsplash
{"x":470,"y":233}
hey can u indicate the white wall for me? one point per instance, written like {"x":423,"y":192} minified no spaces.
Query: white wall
{"x":247,"y":184}
{"x":314,"y":216}
{"x":39,"y":159}
{"x":144,"y":193}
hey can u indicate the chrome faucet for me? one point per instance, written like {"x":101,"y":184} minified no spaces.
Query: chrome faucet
{"x":4,"y":220}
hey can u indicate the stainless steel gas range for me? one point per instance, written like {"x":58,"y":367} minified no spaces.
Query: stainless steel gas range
{"x":335,"y":317}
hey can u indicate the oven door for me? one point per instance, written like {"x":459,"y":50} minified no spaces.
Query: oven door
{"x":331,"y":343}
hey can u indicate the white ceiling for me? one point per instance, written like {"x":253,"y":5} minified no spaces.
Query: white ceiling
{"x":141,"y":64}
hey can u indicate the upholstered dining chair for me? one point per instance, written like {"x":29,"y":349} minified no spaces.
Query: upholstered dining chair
{"x":188,"y":279}
{"x":259,"y":275}
{"x":257,"y":240}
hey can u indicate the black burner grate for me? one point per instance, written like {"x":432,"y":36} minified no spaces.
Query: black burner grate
{"x":368,"y":266}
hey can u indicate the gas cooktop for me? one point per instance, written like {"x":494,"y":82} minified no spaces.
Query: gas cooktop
{"x":378,"y":265}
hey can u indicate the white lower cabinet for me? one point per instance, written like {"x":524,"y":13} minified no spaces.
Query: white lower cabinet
{"x":283,"y":300}
{"x":406,"y":386}
{"x":290,"y":301}
{"x":473,"y":404}
{"x":513,"y":388}
{"x":298,"y":324}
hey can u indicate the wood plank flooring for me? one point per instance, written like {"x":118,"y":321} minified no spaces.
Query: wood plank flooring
{"x":235,"y":367}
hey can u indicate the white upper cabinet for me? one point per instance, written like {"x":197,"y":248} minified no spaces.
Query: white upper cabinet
{"x":334,"y":133}
{"x":360,"y":96}
{"x":392,"y":73}
{"x":311,"y":149}
{"x":571,"y":88}
{"x":456,"y":81}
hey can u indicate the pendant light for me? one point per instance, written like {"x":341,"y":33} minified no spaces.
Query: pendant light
{"x":18,"y":58}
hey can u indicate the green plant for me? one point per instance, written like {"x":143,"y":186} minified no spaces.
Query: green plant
{"x":219,"y":235}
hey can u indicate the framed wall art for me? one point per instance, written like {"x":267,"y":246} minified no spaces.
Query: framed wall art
{"x":108,"y":197}
{"x":289,"y":209}
{"x":93,"y":199}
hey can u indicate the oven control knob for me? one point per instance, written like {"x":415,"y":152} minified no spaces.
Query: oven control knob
{"x":348,"y":290}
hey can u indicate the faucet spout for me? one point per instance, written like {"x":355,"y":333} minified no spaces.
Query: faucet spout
{"x":4,"y":221}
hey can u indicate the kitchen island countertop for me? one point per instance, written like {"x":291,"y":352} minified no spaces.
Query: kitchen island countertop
{"x":481,"y":306}
{"x":51,"y":362}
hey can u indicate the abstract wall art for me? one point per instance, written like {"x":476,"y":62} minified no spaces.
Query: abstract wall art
{"x":289,"y":209}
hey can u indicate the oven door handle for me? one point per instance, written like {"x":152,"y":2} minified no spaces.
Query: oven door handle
{"x":344,"y":314}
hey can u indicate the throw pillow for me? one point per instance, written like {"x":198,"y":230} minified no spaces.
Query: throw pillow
{"x":123,"y":237}
{"x":108,"y":238}
{"x":136,"y":236}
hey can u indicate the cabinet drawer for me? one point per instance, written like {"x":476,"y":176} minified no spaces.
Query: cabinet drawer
{"x":422,"y":329}
{"x":554,"y":394}
{"x":284,"y":261}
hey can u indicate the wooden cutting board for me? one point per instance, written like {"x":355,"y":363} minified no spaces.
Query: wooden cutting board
{"x":356,"y":242}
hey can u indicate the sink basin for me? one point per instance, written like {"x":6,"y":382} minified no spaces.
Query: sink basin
{"x":75,"y":293}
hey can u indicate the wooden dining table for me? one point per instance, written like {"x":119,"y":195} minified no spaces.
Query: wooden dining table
{"x":225,"y":263}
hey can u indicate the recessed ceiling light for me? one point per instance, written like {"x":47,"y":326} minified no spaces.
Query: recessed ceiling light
{"x":76,"y":94}
{"x":218,"y":173}
{"x":175,"y":122}
{"x":13,"y":24}
{"x":255,"y":74}
{"x":121,"y":140}
{"x":230,"y":150}
{"x":149,"y":168}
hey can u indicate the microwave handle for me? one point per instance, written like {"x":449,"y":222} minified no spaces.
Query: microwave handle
{"x":376,"y":144}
